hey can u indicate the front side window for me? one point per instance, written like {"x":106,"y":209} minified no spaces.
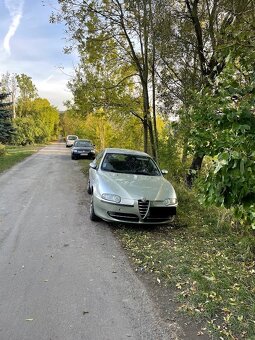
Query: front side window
{"x":99,"y":158}
{"x":130,"y":164}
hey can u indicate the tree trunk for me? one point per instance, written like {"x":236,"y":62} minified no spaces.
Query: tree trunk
{"x":194,"y":168}
{"x":155,"y":140}
{"x":145,"y":133}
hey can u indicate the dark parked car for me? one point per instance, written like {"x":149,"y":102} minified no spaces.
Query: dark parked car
{"x":83,"y":148}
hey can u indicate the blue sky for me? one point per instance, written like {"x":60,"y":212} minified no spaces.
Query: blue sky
{"x":29,"y":44}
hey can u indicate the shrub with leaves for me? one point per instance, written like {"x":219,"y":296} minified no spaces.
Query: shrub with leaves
{"x":225,"y":130}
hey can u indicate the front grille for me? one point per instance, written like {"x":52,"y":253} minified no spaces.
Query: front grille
{"x":160,"y":214}
{"x":123,"y":216}
{"x":143,"y":207}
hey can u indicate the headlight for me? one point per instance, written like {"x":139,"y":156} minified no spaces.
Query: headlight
{"x":111,"y":197}
{"x":170,"y":201}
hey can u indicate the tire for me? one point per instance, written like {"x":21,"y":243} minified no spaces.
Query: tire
{"x":89,"y":189}
{"x":73,"y":157}
{"x":93,"y":217}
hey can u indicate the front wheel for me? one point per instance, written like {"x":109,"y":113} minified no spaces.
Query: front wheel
{"x":89,"y":189}
{"x":92,"y":215}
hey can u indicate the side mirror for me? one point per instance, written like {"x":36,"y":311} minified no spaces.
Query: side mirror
{"x":164,"y":172}
{"x":93,"y":165}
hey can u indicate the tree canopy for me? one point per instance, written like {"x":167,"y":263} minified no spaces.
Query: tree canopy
{"x":34,"y":119}
{"x":193,"y":60}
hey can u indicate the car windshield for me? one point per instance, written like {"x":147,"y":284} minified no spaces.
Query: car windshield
{"x":130,"y":164}
{"x":72,"y":137}
{"x":82,"y":144}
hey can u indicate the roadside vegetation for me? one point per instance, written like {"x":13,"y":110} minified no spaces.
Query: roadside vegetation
{"x":206,"y":261}
{"x":15,"y":154}
{"x":26,"y":121}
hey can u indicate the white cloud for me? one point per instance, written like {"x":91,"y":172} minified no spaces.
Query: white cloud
{"x":15,"y":8}
{"x":54,"y":89}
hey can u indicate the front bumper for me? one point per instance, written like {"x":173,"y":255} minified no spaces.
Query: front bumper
{"x":87,"y":154}
{"x":135,"y":214}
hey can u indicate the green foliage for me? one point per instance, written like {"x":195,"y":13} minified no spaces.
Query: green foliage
{"x":224,"y":128}
{"x":2,"y":149}
{"x":25,"y":128}
{"x":170,"y":151}
{"x":231,"y":182}
{"x":116,"y":48}
{"x":46,"y":118}
{"x":112,"y":131}
{"x":39,"y":126}
{"x":27,"y":93}
{"x":26,"y":87}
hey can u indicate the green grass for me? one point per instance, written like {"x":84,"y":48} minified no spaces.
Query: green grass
{"x":206,"y":259}
{"x":15,"y":154}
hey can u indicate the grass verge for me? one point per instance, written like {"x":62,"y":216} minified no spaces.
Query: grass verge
{"x":205,"y":259}
{"x":15,"y":154}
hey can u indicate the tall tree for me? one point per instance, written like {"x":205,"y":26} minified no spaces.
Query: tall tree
{"x":6,"y":124}
{"x":194,"y":49}
{"x":27,"y":92}
{"x":9,"y":85}
{"x":128,"y":24}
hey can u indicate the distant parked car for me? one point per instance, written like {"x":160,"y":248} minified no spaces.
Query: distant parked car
{"x":128,"y":186}
{"x":70,"y":139}
{"x":83,"y":148}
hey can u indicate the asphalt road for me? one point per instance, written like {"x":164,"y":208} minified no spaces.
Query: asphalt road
{"x":61,"y":275}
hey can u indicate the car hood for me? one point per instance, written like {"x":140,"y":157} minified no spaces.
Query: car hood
{"x":136,"y":186}
{"x":87,"y":148}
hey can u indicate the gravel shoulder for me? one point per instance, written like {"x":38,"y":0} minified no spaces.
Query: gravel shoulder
{"x":62,"y":276}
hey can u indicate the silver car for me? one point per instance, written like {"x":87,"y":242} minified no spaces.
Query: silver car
{"x":127,"y":186}
{"x":70,"y":139}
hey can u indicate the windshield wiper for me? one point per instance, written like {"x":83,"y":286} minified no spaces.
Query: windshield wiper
{"x":108,"y":170}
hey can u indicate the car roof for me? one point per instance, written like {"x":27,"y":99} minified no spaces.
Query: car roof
{"x":126,"y":151}
{"x":71,"y":136}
